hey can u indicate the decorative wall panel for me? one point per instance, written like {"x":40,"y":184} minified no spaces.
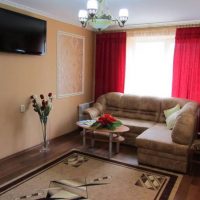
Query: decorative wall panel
{"x":70,"y":64}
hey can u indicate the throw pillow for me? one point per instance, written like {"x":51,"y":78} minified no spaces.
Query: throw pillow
{"x":170,"y":111}
{"x":170,"y":121}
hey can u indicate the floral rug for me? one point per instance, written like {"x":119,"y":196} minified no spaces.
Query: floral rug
{"x":78,"y":175}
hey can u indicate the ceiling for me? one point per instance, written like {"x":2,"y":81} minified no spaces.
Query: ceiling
{"x":142,"y":13}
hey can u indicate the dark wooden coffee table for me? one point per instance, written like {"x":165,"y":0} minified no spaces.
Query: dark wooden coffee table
{"x":112,"y":135}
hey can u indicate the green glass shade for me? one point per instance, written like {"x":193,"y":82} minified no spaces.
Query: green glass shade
{"x":100,"y":24}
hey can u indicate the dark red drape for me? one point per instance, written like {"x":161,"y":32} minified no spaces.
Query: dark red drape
{"x":110,"y":63}
{"x":186,"y":71}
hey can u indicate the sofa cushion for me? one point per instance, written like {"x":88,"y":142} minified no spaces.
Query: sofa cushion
{"x":99,"y":107}
{"x":171,"y":120}
{"x":190,"y":107}
{"x":167,"y":103}
{"x":109,"y":103}
{"x":136,"y":125}
{"x":172,"y":110}
{"x":130,"y":102}
{"x":139,"y":107}
{"x":158,"y":138}
{"x":113,"y":99}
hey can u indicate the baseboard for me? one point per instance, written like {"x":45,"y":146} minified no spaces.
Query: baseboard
{"x":36,"y":146}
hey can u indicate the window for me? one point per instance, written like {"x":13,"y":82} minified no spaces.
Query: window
{"x":149,"y":63}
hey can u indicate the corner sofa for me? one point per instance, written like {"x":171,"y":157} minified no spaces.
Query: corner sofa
{"x":156,"y":144}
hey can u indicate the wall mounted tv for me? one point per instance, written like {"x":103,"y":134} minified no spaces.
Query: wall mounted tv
{"x":22,"y":34}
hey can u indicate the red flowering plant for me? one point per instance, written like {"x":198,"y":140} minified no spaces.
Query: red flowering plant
{"x":107,"y":121}
{"x":42,"y":106}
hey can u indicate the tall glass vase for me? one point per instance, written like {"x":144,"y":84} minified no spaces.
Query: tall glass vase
{"x":45,"y":145}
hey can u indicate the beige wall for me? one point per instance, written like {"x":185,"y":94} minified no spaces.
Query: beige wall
{"x":23,"y":75}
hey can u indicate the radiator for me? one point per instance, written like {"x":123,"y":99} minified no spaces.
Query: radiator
{"x":81,"y":108}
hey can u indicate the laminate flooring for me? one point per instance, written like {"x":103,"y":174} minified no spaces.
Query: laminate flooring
{"x":23,"y":162}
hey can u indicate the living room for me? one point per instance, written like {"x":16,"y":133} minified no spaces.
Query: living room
{"x":23,"y":75}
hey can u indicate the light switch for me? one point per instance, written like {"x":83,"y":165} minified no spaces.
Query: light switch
{"x":22,"y":108}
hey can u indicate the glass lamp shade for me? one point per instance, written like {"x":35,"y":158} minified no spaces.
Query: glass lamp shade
{"x":123,"y":12}
{"x":83,"y":15}
{"x":92,"y":7}
{"x":123,"y":16}
{"x":92,"y":4}
{"x":100,"y":24}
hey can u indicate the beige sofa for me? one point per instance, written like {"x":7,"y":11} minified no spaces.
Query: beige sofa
{"x":156,"y":144}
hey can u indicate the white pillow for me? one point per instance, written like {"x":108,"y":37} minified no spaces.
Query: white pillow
{"x":170,"y":111}
{"x":171,"y":120}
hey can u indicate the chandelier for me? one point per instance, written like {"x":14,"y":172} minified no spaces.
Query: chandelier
{"x":99,"y":18}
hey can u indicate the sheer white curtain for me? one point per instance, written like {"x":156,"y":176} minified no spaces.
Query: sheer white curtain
{"x":149,"y":62}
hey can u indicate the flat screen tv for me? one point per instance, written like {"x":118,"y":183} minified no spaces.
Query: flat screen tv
{"x":22,"y":34}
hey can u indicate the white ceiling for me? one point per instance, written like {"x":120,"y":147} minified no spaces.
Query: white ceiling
{"x":142,"y":13}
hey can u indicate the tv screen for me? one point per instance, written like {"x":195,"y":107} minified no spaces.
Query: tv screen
{"x":22,"y":34}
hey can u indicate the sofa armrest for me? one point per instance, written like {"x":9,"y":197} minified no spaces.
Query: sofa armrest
{"x":185,"y":126}
{"x":91,"y":112}
{"x":95,"y":111}
{"x":183,"y":131}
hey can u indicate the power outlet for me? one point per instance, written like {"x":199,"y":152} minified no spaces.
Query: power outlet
{"x":22,"y":108}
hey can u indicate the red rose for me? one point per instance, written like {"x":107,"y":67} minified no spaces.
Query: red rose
{"x":102,"y":121}
{"x":106,"y":119}
{"x":50,"y":94}
{"x":42,"y":96}
{"x":43,"y":102}
{"x":110,"y":118}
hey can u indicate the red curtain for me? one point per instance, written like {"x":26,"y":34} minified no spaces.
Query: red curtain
{"x":186,"y":71}
{"x":110,"y":63}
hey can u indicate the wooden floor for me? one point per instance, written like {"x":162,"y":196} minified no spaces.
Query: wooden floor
{"x":23,"y":162}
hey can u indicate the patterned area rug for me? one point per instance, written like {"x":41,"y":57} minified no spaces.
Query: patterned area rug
{"x":78,"y":175}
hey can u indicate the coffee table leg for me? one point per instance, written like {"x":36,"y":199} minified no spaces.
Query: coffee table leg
{"x":110,"y":145}
{"x":84,"y":140}
{"x":117,"y":147}
{"x":92,"y":142}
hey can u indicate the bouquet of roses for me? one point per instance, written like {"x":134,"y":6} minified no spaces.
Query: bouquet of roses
{"x":42,"y":107}
{"x":106,"y":121}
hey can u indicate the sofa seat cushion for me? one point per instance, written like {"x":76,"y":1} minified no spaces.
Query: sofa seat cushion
{"x":136,"y":125}
{"x":158,"y":138}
